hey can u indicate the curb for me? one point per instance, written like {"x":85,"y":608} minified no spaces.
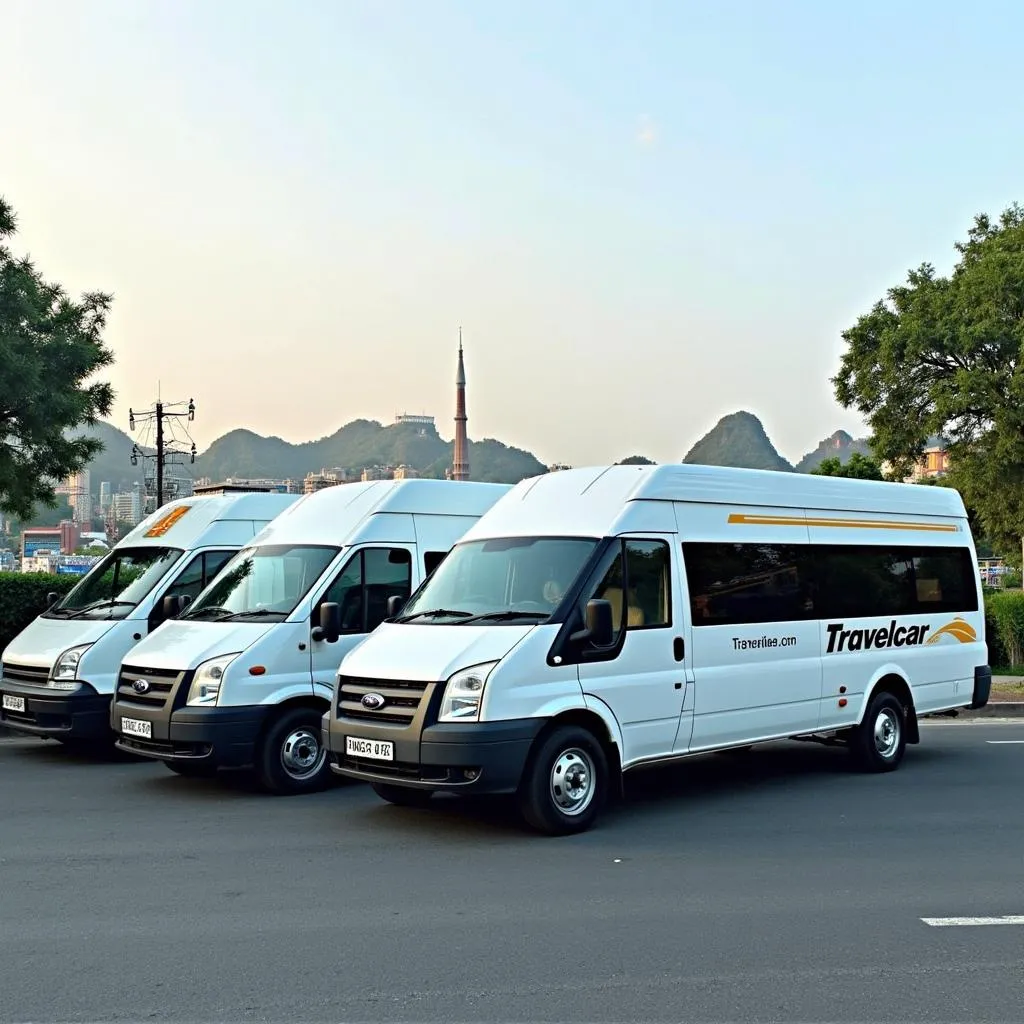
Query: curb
{"x":996,"y":709}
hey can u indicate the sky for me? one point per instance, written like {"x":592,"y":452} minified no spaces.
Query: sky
{"x":643,"y":215}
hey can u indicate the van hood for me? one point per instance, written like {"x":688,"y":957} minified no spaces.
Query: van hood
{"x":43,"y":641}
{"x":179,"y":646}
{"x":429,"y":653}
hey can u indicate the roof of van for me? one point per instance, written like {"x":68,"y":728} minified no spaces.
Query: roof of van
{"x":591,"y":501}
{"x":330,"y":515}
{"x":181,"y":523}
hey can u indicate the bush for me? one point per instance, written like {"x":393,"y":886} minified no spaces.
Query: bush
{"x":23,"y":597}
{"x":1004,"y":627}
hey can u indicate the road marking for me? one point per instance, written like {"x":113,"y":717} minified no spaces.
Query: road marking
{"x":1004,"y":741}
{"x":970,"y":922}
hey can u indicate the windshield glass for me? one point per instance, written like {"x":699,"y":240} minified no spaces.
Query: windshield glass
{"x":503,"y":580}
{"x":115,"y":585}
{"x":262,"y":582}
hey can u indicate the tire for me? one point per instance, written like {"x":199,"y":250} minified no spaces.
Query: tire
{"x":879,"y":742}
{"x":290,"y":758}
{"x":545,"y":801}
{"x":192,"y":769}
{"x":402,"y":796}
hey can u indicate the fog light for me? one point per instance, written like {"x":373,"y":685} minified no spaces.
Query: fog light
{"x":471,"y":774}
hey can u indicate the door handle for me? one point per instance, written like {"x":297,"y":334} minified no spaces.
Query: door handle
{"x":678,"y":648}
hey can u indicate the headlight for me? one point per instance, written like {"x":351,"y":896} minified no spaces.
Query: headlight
{"x":64,"y":674}
{"x":463,"y":693}
{"x":205,"y":688}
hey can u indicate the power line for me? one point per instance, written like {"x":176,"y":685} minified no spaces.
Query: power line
{"x":165,"y":450}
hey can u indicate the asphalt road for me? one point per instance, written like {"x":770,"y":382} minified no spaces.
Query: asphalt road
{"x":772,"y":886}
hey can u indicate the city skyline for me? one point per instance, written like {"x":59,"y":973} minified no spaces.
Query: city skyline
{"x":294,"y":214}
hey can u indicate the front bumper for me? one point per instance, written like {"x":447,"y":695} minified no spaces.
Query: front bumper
{"x":483,"y":757}
{"x":57,"y":714}
{"x":220,"y":737}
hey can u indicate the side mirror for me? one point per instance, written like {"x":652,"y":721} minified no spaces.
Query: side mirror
{"x":52,"y":598}
{"x":395,"y":604}
{"x":330,"y":623}
{"x":599,"y":629}
{"x":171,"y":606}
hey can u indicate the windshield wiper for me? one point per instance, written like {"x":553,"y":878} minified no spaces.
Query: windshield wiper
{"x":257,"y":613}
{"x":435,"y":613}
{"x":112,"y":603}
{"x":210,"y":611}
{"x":504,"y":617}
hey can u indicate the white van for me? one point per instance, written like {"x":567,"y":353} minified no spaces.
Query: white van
{"x":59,"y":672}
{"x":244,"y":676}
{"x":599,"y":620}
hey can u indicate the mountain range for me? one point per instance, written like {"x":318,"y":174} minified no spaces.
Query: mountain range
{"x":738,"y":439}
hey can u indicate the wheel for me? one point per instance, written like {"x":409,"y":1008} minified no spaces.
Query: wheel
{"x":290,"y":758}
{"x":402,"y":796}
{"x":564,"y":783}
{"x":879,"y":742}
{"x":192,"y":769}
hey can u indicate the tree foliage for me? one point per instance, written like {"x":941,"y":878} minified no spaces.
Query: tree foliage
{"x":858,"y":467}
{"x":943,"y":356}
{"x":50,"y":349}
{"x":636,"y":460}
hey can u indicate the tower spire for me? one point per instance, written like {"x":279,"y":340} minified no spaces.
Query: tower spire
{"x":460,"y":455}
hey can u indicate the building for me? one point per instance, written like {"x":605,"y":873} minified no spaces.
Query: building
{"x":106,"y":495}
{"x":128,"y":505}
{"x":325,"y":478}
{"x":377,"y":473}
{"x":557,"y":467}
{"x":80,"y":496}
{"x":934,"y":463}
{"x":406,"y":473}
{"x":425,"y":424}
{"x":460,"y":454}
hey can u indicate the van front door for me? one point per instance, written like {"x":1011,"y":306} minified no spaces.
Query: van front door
{"x":361,"y":590}
{"x":641,"y":677}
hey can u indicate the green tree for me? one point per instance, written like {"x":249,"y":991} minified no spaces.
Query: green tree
{"x":943,"y":356}
{"x":859,"y":467}
{"x":636,"y":460}
{"x":50,"y":349}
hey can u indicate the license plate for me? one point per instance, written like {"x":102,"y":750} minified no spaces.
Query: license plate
{"x":134,"y":727}
{"x":377,"y":750}
{"x":14,"y":703}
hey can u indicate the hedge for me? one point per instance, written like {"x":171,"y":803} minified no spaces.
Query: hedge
{"x":23,"y":597}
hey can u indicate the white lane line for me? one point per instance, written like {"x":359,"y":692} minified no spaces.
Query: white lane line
{"x":970,"y":922}
{"x":1004,"y":741}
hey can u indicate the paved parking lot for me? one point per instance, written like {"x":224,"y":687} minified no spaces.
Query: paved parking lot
{"x":770,"y":886}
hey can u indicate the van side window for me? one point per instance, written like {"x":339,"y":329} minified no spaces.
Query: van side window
{"x":364,"y":585}
{"x":649,"y":583}
{"x":432,"y":559}
{"x":637,"y":584}
{"x":733,"y":584}
{"x":860,"y":581}
{"x":736,"y":584}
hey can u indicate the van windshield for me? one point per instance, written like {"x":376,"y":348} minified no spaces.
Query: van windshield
{"x":508,"y":579}
{"x":116,"y":584}
{"x":264,"y":582}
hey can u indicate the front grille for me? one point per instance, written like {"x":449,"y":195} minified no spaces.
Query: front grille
{"x":162,"y":684}
{"x":401,"y":700}
{"x":25,"y":673}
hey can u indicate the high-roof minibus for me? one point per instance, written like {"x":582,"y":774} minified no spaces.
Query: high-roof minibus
{"x":59,"y":672}
{"x":597,"y":621}
{"x":243,"y":677}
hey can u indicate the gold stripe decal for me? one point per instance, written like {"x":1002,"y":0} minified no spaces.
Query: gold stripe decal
{"x":958,"y":630}
{"x":743,"y":519}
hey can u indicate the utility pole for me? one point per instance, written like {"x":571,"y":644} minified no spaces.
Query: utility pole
{"x":157,"y":415}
